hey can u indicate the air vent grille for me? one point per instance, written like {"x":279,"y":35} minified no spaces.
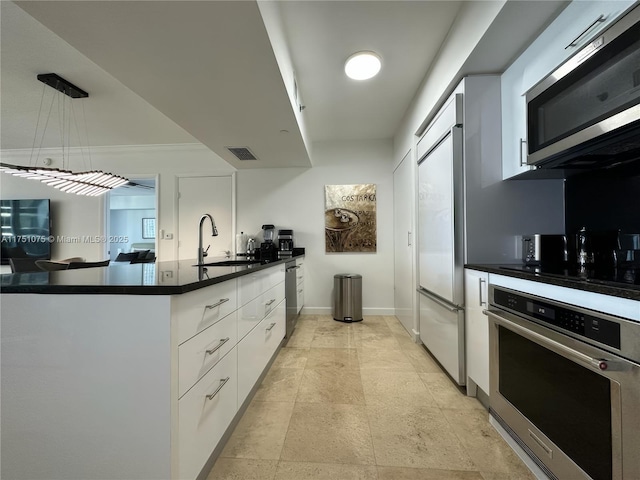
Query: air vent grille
{"x":242,"y":153}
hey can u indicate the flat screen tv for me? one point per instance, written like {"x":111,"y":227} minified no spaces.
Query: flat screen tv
{"x":26,"y":227}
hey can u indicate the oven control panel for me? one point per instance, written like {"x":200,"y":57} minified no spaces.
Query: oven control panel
{"x":576,"y":321}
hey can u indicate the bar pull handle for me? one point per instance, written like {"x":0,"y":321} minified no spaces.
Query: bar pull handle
{"x":217,"y":347}
{"x":299,"y":291}
{"x":408,"y":239}
{"x":523,"y":158}
{"x":223,"y":382}
{"x":270,"y":327}
{"x":597,"y":364}
{"x":574,"y":42}
{"x":222,"y":300}
{"x":270,"y":302}
{"x":481,"y":281}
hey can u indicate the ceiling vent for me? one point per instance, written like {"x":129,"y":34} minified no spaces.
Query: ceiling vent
{"x":242,"y":153}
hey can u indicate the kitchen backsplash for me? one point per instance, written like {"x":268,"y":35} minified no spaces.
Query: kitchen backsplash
{"x":601,"y":203}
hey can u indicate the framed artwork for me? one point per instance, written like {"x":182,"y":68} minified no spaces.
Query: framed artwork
{"x":148,"y":228}
{"x":350,"y":218}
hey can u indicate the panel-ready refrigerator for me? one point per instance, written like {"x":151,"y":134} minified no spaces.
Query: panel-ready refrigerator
{"x":441,"y":238}
{"x":467,"y":214}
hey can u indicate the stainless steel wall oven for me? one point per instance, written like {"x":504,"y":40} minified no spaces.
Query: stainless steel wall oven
{"x":565,"y":384}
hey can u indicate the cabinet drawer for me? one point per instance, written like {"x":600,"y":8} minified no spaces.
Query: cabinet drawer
{"x":258,"y":308}
{"x":300,"y":296}
{"x":257,"y":348}
{"x":300,"y":274}
{"x":204,"y":413}
{"x":199,"y":354}
{"x":254,"y":284}
{"x":197,"y":310}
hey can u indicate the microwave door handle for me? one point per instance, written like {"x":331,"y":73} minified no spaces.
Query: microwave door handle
{"x":523,"y":158}
{"x":574,"y":42}
{"x":598,"y":365}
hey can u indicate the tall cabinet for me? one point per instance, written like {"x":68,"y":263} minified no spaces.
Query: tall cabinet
{"x":404,"y":284}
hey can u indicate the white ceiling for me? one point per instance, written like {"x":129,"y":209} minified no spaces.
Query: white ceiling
{"x":169,"y":72}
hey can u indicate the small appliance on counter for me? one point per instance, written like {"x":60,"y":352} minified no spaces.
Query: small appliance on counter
{"x":545,"y":250}
{"x":285,"y":243}
{"x":268,"y":249}
{"x":585,"y":249}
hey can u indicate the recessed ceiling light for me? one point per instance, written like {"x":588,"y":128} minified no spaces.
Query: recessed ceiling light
{"x":362,"y":65}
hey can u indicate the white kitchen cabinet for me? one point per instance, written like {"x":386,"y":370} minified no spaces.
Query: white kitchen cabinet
{"x":127,"y":378}
{"x":204,"y":414}
{"x":252,"y":313}
{"x":476,"y":330}
{"x":194,"y":311}
{"x":257,"y":348}
{"x":578,"y":24}
{"x":299,"y":284}
{"x":199,"y":354}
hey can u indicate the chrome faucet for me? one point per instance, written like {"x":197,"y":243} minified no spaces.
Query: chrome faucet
{"x":214,"y":233}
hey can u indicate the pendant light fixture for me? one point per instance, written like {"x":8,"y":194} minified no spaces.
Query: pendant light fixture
{"x":91,"y":183}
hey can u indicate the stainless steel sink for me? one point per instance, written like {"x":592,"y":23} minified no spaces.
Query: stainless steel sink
{"x":228,"y":263}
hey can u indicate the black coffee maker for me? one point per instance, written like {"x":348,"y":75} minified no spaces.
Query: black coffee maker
{"x":285,"y":243}
{"x":268,"y":249}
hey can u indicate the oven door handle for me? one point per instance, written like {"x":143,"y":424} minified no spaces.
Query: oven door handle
{"x":597,"y":364}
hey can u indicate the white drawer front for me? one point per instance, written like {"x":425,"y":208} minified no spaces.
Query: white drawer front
{"x":254,"y":284}
{"x":197,"y":310}
{"x":202,"y":420}
{"x":255,"y":350}
{"x":300,"y":296}
{"x":253,"y":312}
{"x":299,"y":271}
{"x":199,"y":354}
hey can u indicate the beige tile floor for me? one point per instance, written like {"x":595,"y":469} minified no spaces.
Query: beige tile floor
{"x":362,"y":402}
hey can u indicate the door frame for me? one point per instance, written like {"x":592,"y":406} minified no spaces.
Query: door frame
{"x":176,"y":200}
{"x":107,"y":215}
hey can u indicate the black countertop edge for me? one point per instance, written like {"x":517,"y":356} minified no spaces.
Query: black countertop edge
{"x":60,"y":283}
{"x":631,"y":292}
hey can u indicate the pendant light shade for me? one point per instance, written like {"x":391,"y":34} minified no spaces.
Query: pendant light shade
{"x":90,"y":183}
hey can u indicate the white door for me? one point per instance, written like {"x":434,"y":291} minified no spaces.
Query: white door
{"x":404,"y":287}
{"x":436,"y":220}
{"x":197,"y":196}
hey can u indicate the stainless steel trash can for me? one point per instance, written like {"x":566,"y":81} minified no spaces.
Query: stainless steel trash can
{"x":347,"y":297}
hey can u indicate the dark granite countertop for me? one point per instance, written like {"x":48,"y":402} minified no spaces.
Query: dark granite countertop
{"x":162,"y":278}
{"x":619,"y":284}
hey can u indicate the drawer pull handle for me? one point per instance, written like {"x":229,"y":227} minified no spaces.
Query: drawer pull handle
{"x":300,"y":291}
{"x":217,"y":347}
{"x":270,"y":302}
{"x":270,"y":327}
{"x":223,"y":382}
{"x":222,"y":300}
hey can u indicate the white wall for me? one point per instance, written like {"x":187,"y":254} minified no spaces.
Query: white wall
{"x":472,"y":23}
{"x":76,"y":216}
{"x":294,"y":198}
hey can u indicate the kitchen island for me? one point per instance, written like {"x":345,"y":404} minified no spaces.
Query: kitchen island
{"x":132,"y":371}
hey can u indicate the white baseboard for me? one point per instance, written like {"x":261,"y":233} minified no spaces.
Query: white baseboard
{"x":328,"y":311}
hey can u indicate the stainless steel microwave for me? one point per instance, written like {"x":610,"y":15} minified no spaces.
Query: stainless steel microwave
{"x":586,"y":114}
